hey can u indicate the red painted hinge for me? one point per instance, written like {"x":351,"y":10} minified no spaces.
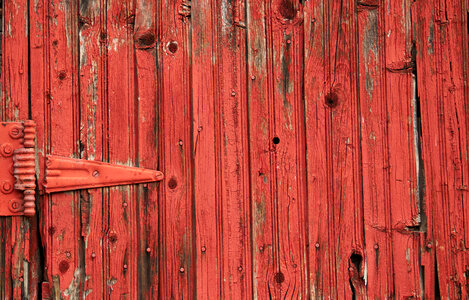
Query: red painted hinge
{"x":66,"y":174}
{"x":18,"y":171}
{"x":17,"y":168}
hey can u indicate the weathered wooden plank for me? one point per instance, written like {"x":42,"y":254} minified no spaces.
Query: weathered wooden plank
{"x":288,"y":148}
{"x":120,"y":107}
{"x":92,"y":78}
{"x":233,"y":137}
{"x":315,"y":56}
{"x":345,"y":221}
{"x":19,"y":252}
{"x":175,"y":134}
{"x":147,"y":148}
{"x":206,"y":148}
{"x":404,"y":213}
{"x":65,"y":272}
{"x":265,"y":263}
{"x":377,"y":196}
{"x":441,"y":41}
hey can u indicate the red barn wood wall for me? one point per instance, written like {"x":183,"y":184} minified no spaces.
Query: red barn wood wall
{"x":311,"y":149}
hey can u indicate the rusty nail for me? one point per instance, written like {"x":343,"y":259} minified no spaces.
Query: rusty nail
{"x":181,"y":269}
{"x":317,"y":245}
{"x":148,"y":249}
{"x":125,"y":266}
{"x":93,"y":255}
{"x":376,"y":246}
{"x":95,"y":173}
{"x":203,"y":249}
{"x":240,"y":268}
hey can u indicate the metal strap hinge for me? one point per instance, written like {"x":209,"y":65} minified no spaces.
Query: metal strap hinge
{"x":18,"y":171}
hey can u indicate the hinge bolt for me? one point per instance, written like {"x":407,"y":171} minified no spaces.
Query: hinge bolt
{"x":6,"y":150}
{"x":15,"y":132}
{"x":7,"y":187}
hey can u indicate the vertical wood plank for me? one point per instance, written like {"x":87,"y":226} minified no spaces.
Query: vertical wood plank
{"x":92,"y":78}
{"x":206,"y":148}
{"x":147,"y":134}
{"x":177,"y":252}
{"x":288,"y":148}
{"x":404,"y":213}
{"x":315,"y":58}
{"x":234,"y":161}
{"x":377,"y":196}
{"x":441,"y":41}
{"x":65,"y":272}
{"x":18,"y":253}
{"x":120,"y":107}
{"x":265,"y":264}
{"x":345,"y":215}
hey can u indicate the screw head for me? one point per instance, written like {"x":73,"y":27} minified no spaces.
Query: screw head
{"x":7,"y":187}
{"x":14,"y":205}
{"x":181,"y":269}
{"x":233,"y":93}
{"x":15,"y":132}
{"x":6,"y":149}
{"x":253,"y":77}
{"x":429,"y":245}
{"x":95,"y":173}
{"x":124,"y":204}
{"x":288,"y":41}
{"x":317,"y":245}
{"x":68,"y":254}
{"x":180,"y":143}
{"x":148,"y":250}
{"x":203,"y":249}
{"x":93,"y":255}
{"x":376,"y":246}
{"x":125,"y":266}
{"x":240,"y":268}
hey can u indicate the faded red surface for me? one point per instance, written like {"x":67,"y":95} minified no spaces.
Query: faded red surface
{"x":311,"y":149}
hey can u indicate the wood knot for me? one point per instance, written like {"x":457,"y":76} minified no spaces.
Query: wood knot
{"x":64,"y":266}
{"x":279,"y":277}
{"x":172,"y":184}
{"x":331,"y":99}
{"x":145,"y":40}
{"x":287,"y":9}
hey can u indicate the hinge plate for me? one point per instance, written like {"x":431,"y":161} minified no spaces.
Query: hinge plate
{"x":17,"y":168}
{"x":67,"y":174}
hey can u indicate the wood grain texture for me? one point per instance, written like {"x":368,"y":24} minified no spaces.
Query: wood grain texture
{"x":311,"y":149}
